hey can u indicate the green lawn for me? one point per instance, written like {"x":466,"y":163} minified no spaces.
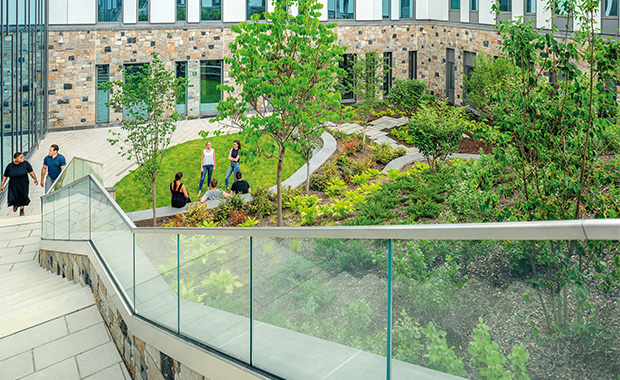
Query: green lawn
{"x":260,"y":172}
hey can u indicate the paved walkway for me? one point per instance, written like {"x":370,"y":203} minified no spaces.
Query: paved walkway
{"x":378,"y":131}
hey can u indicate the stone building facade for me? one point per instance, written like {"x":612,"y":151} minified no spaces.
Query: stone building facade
{"x":74,"y":54}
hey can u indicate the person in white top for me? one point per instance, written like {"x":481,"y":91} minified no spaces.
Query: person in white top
{"x":207,"y":165}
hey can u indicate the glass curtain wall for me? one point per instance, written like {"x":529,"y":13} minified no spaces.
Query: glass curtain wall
{"x":340,"y":9}
{"x":22,"y":41}
{"x":407,"y":8}
{"x":210,"y":78}
{"x":181,"y":10}
{"x":210,"y":10}
{"x":109,"y":10}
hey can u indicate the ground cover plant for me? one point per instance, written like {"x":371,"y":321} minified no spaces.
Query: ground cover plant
{"x":185,"y":157}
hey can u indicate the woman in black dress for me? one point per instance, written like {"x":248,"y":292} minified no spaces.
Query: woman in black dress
{"x":178,"y":193}
{"x":17,"y":171}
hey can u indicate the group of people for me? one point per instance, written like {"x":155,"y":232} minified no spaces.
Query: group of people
{"x":178,"y":191}
{"x":17,"y":173}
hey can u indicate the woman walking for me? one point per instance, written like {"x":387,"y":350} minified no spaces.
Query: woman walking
{"x":233,"y":157}
{"x":178,"y":193}
{"x":207,"y":162}
{"x":18,"y":171}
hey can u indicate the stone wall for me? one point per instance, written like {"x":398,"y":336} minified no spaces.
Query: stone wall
{"x":143,"y":361}
{"x":74,"y":54}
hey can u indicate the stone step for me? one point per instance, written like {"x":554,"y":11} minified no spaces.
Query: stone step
{"x":25,"y":282}
{"x":33,"y":296}
{"x":75,"y":298}
{"x":9,"y":277}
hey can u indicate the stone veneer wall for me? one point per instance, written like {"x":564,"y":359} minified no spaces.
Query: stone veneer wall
{"x":143,"y":361}
{"x":73,"y":55}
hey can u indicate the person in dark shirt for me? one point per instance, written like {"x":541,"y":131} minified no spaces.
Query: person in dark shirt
{"x":53,"y":164}
{"x":240,"y":186}
{"x":17,"y":172}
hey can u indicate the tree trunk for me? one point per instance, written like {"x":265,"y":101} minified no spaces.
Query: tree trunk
{"x":279,"y":183}
{"x":308,"y":174}
{"x":154,"y":203}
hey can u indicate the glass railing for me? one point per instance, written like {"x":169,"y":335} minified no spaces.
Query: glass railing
{"x":367,"y":302}
{"x":78,"y":168}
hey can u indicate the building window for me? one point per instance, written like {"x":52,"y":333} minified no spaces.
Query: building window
{"x":103,"y":96}
{"x":210,"y":10}
{"x":455,"y":5}
{"x":407,"y":8}
{"x":134,"y":72}
{"x":450,"y":75}
{"x":386,"y":8}
{"x":611,"y":8}
{"x":210,"y":78}
{"x":387,"y":76}
{"x":181,"y":10}
{"x":181,"y":105}
{"x":348,"y":60}
{"x":340,"y":9}
{"x":474,"y":6}
{"x":143,"y":10}
{"x":256,"y":7}
{"x":468,"y":68}
{"x":413,"y":65}
{"x":562,"y":7}
{"x":505,"y":5}
{"x":109,"y":10}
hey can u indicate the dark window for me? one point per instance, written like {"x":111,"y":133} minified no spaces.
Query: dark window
{"x":103,"y":96}
{"x":256,"y":7}
{"x":143,"y":10}
{"x":386,"y":5}
{"x":340,"y":9}
{"x":530,"y":6}
{"x":413,"y":65}
{"x":468,"y":68}
{"x":210,"y":10}
{"x":505,"y":5}
{"x":348,"y":60}
{"x":474,"y":6}
{"x":181,"y":10}
{"x":210,"y":78}
{"x":455,"y":5}
{"x":450,"y":75}
{"x":407,"y":8}
{"x":181,"y":71}
{"x":387,"y":76}
{"x":610,"y":8}
{"x":109,"y":10}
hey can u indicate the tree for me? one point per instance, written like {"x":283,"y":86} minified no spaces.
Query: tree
{"x":147,"y":97}
{"x":286,"y":68}
{"x":408,"y":95}
{"x":367,"y":84}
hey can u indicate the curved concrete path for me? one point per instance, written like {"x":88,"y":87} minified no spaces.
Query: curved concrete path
{"x":410,"y":158}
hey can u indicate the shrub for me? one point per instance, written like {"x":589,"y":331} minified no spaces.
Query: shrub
{"x":238,"y":217}
{"x":235,"y":202}
{"x":344,"y":255}
{"x":335,"y":187}
{"x":423,"y":209}
{"x":360,"y":166}
{"x":382,"y":153}
{"x":262,"y":203}
{"x":406,"y":96}
{"x":195,"y":216}
{"x":436,"y":131}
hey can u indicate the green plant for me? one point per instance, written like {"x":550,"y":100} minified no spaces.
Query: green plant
{"x":341,"y":208}
{"x":406,"y":337}
{"x":335,"y":187}
{"x":249,"y":222}
{"x":438,"y":355}
{"x":221,"y":283}
{"x":406,"y":96}
{"x":285,"y":70}
{"x":312,"y":295}
{"x":382,"y":153}
{"x":423,"y":209}
{"x":343,"y":255}
{"x":310,"y":213}
{"x":262,"y":203}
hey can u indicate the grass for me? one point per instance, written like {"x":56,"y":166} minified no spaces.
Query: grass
{"x":259,"y":171}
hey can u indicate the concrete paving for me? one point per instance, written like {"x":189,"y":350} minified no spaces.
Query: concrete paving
{"x":378,"y":131}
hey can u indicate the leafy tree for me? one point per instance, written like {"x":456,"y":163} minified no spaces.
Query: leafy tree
{"x":407,"y":96}
{"x":544,"y":139}
{"x":286,"y":69}
{"x":147,"y":98}
{"x":367,"y":84}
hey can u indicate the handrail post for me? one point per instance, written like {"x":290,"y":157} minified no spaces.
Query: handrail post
{"x":389,"y":313}
{"x":251,"y":305}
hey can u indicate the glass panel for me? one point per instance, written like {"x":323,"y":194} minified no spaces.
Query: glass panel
{"x":413,"y":64}
{"x":215,"y":292}
{"x":47,"y":219}
{"x":110,"y":10}
{"x":340,"y":9}
{"x":61,"y":215}
{"x":181,"y":10}
{"x":181,"y":72}
{"x":255,"y":7}
{"x":611,"y":7}
{"x":143,"y":10}
{"x":113,"y":240}
{"x":210,"y":10}
{"x":505,"y":5}
{"x":320,"y":307}
{"x":210,"y":78}
{"x":348,"y":60}
{"x":473,"y":4}
{"x":455,"y":4}
{"x":385,"y":6}
{"x":407,"y":8}
{"x":79,"y":211}
{"x":387,"y":76}
{"x":156,"y":278}
{"x":103,"y":96}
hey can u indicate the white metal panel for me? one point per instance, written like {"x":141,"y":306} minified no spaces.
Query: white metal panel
{"x":81,"y":12}
{"x":422,"y":9}
{"x":395,"y":11}
{"x":543,"y":14}
{"x":323,"y":16}
{"x":193,"y":10}
{"x":162,"y":11}
{"x":439,"y":9}
{"x":465,"y":10}
{"x":234,"y":10}
{"x":518,"y":8}
{"x":57,"y":12}
{"x":130,"y":11}
{"x":377,"y":10}
{"x":364,"y":9}
{"x":485,"y":15}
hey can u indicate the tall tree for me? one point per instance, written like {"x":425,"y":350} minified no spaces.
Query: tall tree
{"x":147,"y":96}
{"x":286,"y":69}
{"x":367,"y":84}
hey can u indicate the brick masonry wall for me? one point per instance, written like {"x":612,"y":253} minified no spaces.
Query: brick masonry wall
{"x":73,"y":56}
{"x":142,"y":360}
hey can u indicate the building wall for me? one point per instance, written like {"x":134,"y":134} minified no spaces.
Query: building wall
{"x":74,"y":54}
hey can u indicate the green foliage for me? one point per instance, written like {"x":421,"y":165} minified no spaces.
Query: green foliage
{"x":147,"y":97}
{"x":329,"y":173}
{"x":294,"y":269}
{"x":335,"y":187}
{"x":435,"y":131}
{"x":407,"y":95}
{"x":286,"y":69}
{"x":423,"y":209}
{"x":383,"y":153}
{"x":438,"y":355}
{"x":249,"y":222}
{"x":312,"y":295}
{"x":262,"y":203}
{"x":344,"y":255}
{"x":221,"y":283}
{"x":491,"y":74}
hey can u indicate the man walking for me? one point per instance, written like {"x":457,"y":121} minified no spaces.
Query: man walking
{"x":53,"y":164}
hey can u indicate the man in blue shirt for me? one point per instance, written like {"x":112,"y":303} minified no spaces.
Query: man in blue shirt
{"x":53,"y":164}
